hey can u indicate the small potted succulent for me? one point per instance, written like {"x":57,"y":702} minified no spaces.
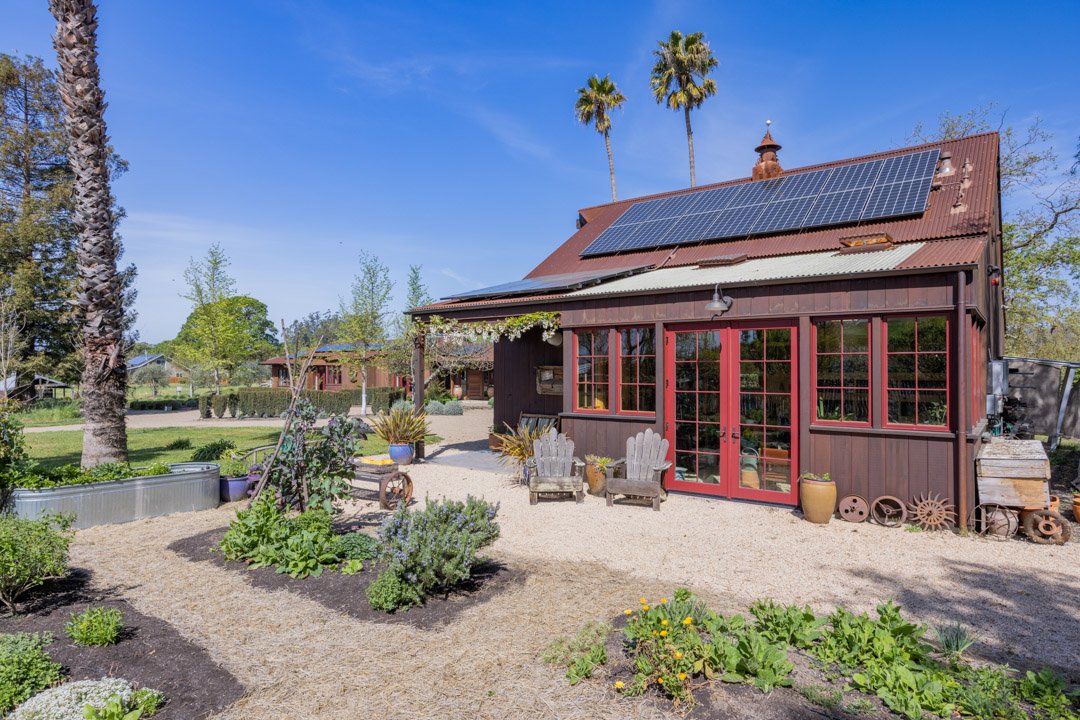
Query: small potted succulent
{"x":516,"y":447}
{"x":235,"y":479}
{"x":596,"y":468}
{"x":402,"y":428}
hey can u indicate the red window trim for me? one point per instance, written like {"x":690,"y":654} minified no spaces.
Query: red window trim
{"x":883,"y":358}
{"x":869,"y":365}
{"x":577,"y":408}
{"x":618,"y":370}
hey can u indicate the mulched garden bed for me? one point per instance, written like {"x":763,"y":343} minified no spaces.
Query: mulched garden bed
{"x":151,"y":653}
{"x":348,"y":593}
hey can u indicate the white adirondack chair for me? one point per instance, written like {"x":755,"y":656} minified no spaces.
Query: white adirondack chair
{"x":645,"y":462}
{"x":553,"y":467}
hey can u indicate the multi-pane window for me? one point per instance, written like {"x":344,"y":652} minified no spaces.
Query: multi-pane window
{"x":916,"y":371}
{"x":637,"y":370}
{"x":591,"y":371}
{"x":843,"y":370}
{"x":333,"y":375}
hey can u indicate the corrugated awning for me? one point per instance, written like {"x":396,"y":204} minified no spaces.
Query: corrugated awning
{"x":831,"y":263}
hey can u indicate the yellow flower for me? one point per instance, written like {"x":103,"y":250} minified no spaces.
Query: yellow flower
{"x":660,"y":680}
{"x":682,"y":676}
{"x":644,"y":608}
{"x":678,"y":655}
{"x":628,"y":611}
{"x":688,"y":621}
{"x":663,"y":633}
{"x":618,"y":684}
{"x":653,"y":632}
{"x":664,"y":623}
{"x":642,"y":601}
{"x":663,"y":601}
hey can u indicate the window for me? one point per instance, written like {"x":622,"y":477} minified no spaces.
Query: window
{"x":637,"y":370}
{"x":916,"y":371}
{"x":843,"y":371}
{"x":591,"y":369}
{"x":333,"y":375}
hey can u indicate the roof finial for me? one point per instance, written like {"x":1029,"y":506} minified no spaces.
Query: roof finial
{"x":767,"y":165}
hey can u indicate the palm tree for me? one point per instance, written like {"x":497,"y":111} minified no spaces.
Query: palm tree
{"x":594,"y":105}
{"x":678,"y":78}
{"x":99,"y":298}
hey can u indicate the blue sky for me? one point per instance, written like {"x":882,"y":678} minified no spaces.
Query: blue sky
{"x":298,"y":134}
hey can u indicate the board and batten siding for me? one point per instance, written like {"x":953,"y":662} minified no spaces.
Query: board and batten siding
{"x":515,"y":378}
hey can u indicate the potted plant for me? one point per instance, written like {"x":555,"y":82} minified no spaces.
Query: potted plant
{"x":516,"y":446}
{"x":494,"y":440}
{"x":596,"y":467}
{"x":235,"y":480}
{"x":402,"y":428}
{"x":817,"y":495}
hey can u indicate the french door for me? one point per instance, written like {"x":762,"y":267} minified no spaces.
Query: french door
{"x":731,"y":410}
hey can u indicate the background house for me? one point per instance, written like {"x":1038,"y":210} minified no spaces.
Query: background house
{"x":175,"y":372}
{"x":25,"y":388}
{"x":334,"y":367}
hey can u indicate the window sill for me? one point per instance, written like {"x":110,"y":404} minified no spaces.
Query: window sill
{"x":579,"y":415}
{"x":882,"y":432}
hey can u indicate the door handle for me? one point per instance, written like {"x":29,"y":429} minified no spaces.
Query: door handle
{"x":734,"y":434}
{"x":723,"y":430}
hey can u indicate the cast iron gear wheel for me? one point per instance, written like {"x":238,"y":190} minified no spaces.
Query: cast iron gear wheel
{"x":932,"y":512}
{"x":1047,"y":527}
{"x":994,"y":521}
{"x":854,"y":508}
{"x":888,"y":511}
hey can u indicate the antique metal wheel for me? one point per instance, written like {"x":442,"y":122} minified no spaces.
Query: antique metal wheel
{"x":932,"y":512}
{"x":994,"y":521}
{"x":1047,"y":527}
{"x":395,"y":488}
{"x":889,"y":511}
{"x":854,"y":508}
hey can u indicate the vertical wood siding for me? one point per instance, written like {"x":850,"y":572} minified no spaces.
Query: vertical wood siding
{"x":515,"y":378}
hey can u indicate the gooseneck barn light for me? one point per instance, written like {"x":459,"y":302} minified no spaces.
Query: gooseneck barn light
{"x":718,"y":305}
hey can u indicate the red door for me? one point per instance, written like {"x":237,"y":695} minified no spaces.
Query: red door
{"x":731,"y":410}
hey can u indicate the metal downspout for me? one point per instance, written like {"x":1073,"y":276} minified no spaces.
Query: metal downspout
{"x":961,"y":401}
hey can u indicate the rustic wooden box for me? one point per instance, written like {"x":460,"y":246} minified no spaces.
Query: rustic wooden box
{"x":1013,"y":473}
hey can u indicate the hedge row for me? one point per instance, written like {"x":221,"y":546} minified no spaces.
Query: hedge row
{"x":162,"y":403}
{"x":272,"y":402}
{"x":379,"y":398}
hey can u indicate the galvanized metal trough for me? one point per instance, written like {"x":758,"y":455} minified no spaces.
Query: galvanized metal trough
{"x":190,"y":486}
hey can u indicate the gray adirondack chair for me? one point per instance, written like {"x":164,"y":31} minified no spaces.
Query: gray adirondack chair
{"x":553,"y":467}
{"x":645,"y":462}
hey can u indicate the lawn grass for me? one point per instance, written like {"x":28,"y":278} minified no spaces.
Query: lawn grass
{"x":58,"y":414}
{"x":147,"y":445}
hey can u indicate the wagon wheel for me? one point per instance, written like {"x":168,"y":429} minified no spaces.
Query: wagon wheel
{"x":932,"y":512}
{"x":1047,"y":527}
{"x":888,"y":511}
{"x":994,"y":521}
{"x":395,"y":488}
{"x":854,"y":508}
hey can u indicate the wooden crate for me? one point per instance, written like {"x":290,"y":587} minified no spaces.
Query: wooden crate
{"x":1013,"y":473}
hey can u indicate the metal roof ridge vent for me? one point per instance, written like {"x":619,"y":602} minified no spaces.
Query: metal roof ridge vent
{"x":723,"y":260}
{"x":868,"y":242}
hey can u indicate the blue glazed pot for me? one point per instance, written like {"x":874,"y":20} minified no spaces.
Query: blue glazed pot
{"x":401,"y":453}
{"x":234,"y":489}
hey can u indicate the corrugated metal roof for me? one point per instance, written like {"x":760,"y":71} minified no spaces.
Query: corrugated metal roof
{"x":946,"y":253}
{"x":940,"y":220}
{"x":789,"y":267}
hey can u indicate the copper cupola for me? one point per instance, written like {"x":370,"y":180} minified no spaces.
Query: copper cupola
{"x":767,"y":165}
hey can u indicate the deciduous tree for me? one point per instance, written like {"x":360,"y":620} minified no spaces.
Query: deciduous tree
{"x":363,"y":317}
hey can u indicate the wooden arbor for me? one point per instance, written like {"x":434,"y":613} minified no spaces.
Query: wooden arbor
{"x":645,"y":462}
{"x":554,"y":469}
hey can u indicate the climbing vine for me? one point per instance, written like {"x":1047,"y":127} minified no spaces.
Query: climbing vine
{"x":488,"y":331}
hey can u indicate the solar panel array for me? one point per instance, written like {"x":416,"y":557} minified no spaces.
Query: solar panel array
{"x":871,"y":190}
{"x":547,"y":283}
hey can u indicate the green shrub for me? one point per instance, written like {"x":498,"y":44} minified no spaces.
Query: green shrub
{"x":219,"y":403}
{"x":449,"y":407}
{"x":358,"y":546}
{"x":580,"y":654}
{"x":234,"y":405}
{"x":31,"y":552}
{"x":204,"y":407}
{"x":213,"y":451}
{"x":160,"y":403}
{"x":147,"y":701}
{"x":266,"y":536}
{"x":954,"y":640}
{"x":433,"y":549}
{"x":389,"y":592}
{"x":25,"y":668}
{"x":95,"y":627}
{"x":791,"y":625}
{"x":272,"y":402}
{"x":179,"y":444}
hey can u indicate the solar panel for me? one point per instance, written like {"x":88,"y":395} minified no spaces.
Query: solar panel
{"x":868,"y":190}
{"x":549,"y":283}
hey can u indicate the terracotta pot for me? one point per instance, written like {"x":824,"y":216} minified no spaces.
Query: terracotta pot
{"x":818,"y":499}
{"x":494,"y":442}
{"x":596,"y":478}
{"x":1076,"y":507}
{"x":1055,"y":505}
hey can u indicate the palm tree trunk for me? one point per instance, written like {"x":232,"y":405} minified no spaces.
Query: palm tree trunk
{"x":610,"y":164}
{"x":98,"y":299}
{"x":690,"y":144}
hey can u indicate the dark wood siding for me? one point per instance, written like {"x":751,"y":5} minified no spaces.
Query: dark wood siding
{"x":605,"y":436}
{"x":515,"y":378}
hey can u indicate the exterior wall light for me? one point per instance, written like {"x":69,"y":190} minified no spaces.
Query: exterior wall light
{"x":719,"y":304}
